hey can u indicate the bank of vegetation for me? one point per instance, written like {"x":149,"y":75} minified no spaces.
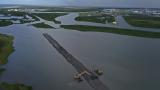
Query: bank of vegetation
{"x":42,"y":25}
{"x":5,"y":23}
{"x":7,"y":86}
{"x":6,"y":47}
{"x":143,"y":21}
{"x":50,"y":16}
{"x":138,"y":33}
{"x":96,"y":18}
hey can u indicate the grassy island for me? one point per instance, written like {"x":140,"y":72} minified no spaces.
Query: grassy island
{"x":42,"y":25}
{"x":96,"y":18}
{"x":5,"y":23}
{"x":6,"y":47}
{"x":113,"y":30}
{"x":50,"y":16}
{"x":143,"y":21}
{"x":7,"y":86}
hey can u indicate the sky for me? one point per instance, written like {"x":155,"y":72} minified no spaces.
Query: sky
{"x":104,"y":3}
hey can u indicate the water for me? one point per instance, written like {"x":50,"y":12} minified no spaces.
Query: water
{"x":128,"y":62}
{"x":10,"y":17}
{"x":36,"y":63}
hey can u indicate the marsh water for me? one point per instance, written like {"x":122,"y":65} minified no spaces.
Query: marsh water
{"x":128,"y":62}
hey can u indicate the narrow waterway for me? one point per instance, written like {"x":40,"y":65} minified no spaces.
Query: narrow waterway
{"x":70,"y":20}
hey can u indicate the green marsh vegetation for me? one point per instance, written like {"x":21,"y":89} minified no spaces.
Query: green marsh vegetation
{"x":6,"y":47}
{"x":120,"y":31}
{"x":42,"y":25}
{"x":143,"y":21}
{"x":5,"y":23}
{"x":99,"y":18}
{"x":7,"y":86}
{"x":50,"y":16}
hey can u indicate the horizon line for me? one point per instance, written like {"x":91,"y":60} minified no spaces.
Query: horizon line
{"x":77,"y":6}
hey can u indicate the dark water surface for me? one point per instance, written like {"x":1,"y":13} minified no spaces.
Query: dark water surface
{"x":128,"y":62}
